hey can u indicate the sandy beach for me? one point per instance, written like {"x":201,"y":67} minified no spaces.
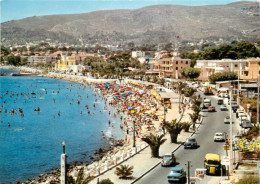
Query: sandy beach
{"x":135,"y":105}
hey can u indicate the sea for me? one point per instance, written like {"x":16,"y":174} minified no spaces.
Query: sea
{"x":38,"y":114}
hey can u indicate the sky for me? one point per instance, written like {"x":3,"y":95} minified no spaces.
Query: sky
{"x":19,"y":9}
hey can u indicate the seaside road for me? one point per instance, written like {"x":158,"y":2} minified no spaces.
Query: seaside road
{"x":142,"y":162}
{"x":212,"y":122}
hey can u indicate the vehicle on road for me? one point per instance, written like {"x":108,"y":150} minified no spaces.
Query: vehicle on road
{"x":211,"y":109}
{"x":177,"y":175}
{"x":223,"y":107}
{"x":212,"y":163}
{"x":219,"y":137}
{"x":190,"y":143}
{"x":227,"y":120}
{"x":226,"y":96}
{"x":207,"y":102}
{"x":168,"y":159}
{"x":220,"y":101}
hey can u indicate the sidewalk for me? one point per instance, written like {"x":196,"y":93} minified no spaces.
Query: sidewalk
{"x":142,"y":161}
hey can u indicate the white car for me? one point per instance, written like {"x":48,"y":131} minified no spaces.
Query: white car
{"x":219,"y":137}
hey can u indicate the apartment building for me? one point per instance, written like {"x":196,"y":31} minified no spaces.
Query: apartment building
{"x":245,"y":68}
{"x":170,"y":67}
{"x":41,"y":59}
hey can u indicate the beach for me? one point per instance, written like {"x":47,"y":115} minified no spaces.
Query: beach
{"x":135,"y":104}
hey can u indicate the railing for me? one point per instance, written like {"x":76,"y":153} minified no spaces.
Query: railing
{"x":111,"y":161}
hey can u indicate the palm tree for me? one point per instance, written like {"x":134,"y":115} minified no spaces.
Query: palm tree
{"x":174,"y":129}
{"x":124,"y":171}
{"x":80,"y":178}
{"x":105,"y":181}
{"x":154,"y":141}
{"x":186,"y":126}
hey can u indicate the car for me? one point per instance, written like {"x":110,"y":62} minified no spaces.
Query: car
{"x":227,"y":120}
{"x":223,"y":107}
{"x":211,"y":109}
{"x":219,"y":137}
{"x":168,"y":159}
{"x":177,"y":175}
{"x":226,"y":96}
{"x":190,"y":143}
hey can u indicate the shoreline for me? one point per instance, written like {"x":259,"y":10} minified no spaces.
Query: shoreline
{"x":149,"y":123}
{"x":99,"y":153}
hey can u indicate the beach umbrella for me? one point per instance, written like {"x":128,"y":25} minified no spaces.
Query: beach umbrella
{"x":234,"y":180}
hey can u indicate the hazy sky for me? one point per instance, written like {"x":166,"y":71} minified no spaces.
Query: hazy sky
{"x":18,"y":9}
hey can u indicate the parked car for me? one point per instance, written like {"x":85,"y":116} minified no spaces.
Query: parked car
{"x":219,"y":137}
{"x":211,"y":109}
{"x":223,"y":107}
{"x":168,"y":159}
{"x":246,"y":124}
{"x":190,"y":143}
{"x":177,"y":175}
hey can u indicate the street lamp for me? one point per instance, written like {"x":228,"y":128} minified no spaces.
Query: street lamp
{"x":134,"y":133}
{"x":64,"y":145}
{"x":231,"y":130}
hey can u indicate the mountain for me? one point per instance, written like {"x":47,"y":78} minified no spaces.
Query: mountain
{"x":148,"y":25}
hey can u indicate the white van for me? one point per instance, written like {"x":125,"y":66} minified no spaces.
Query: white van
{"x":207,"y":102}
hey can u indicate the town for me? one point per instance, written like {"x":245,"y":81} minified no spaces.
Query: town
{"x":182,"y":87}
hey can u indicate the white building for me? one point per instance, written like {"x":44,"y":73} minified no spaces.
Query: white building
{"x":136,"y":54}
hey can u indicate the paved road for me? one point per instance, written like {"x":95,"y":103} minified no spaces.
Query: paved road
{"x":212,"y":123}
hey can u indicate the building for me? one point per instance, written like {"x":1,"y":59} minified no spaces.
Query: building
{"x":252,"y":69}
{"x":136,"y":54}
{"x":41,"y":59}
{"x":170,"y":67}
{"x":245,"y":68}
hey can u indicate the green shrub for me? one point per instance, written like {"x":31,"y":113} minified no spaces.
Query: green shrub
{"x":249,"y":180}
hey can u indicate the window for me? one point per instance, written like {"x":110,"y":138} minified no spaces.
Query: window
{"x":186,"y":62}
{"x":181,"y":62}
{"x":235,"y":65}
{"x":176,"y":68}
{"x":176,"y":62}
{"x":258,"y":63}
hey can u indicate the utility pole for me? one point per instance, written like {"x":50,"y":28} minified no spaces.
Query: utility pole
{"x":258,"y":81}
{"x":188,"y":172}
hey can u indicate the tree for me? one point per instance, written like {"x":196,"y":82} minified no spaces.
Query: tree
{"x":80,"y":178}
{"x":186,"y":126}
{"x":124,"y":171}
{"x":154,"y":141}
{"x":173,"y":128}
{"x":190,"y":73}
{"x":222,"y":76}
{"x":105,"y":181}
{"x":14,"y":60}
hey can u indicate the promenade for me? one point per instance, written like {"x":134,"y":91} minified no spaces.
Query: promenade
{"x":142,"y":161}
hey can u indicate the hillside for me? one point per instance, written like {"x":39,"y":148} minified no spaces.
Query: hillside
{"x":148,"y":25}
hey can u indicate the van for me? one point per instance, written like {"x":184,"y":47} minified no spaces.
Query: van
{"x":212,"y":163}
{"x":207,"y":102}
{"x":220,"y":101}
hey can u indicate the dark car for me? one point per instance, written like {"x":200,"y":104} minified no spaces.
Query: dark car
{"x":211,"y":109}
{"x":168,"y":159}
{"x":223,"y":107}
{"x":190,"y":143}
{"x":177,"y":175}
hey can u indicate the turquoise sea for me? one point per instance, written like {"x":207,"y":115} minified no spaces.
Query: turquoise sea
{"x":31,"y":141}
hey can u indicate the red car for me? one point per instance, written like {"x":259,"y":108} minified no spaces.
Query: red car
{"x":211,"y":109}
